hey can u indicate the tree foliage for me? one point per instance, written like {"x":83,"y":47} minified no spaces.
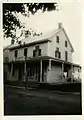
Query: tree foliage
{"x":10,"y":20}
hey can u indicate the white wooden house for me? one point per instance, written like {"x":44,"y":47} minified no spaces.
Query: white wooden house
{"x":45,"y":58}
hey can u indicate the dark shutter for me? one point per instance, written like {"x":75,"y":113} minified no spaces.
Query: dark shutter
{"x":16,"y":53}
{"x":25,"y":52}
{"x":39,"y":52}
{"x":33,"y":53}
{"x":66,"y":55}
{"x":59,"y":54}
{"x":57,"y":49}
{"x":57,"y":39}
{"x":65,"y":43}
{"x":37,"y":47}
{"x":55,"y":53}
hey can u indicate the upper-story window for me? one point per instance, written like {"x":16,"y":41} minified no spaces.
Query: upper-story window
{"x":66,"y":55}
{"x":25,"y":52}
{"x":57,"y":39}
{"x":16,"y":53}
{"x":65,"y":43}
{"x":57,"y":53}
{"x":57,"y":49}
{"x":37,"y":52}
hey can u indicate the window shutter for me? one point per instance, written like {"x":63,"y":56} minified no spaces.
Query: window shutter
{"x":39,"y":52}
{"x":25,"y":52}
{"x":16,"y":53}
{"x":59,"y":54}
{"x":55,"y":53}
{"x":33,"y":53}
{"x":37,"y":47}
{"x":57,"y":39}
{"x":65,"y":43}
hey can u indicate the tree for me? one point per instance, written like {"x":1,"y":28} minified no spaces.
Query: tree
{"x":10,"y":20}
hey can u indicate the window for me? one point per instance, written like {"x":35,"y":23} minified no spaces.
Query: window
{"x":39,"y":52}
{"x":65,"y":43}
{"x":16,"y":53}
{"x":57,"y":54}
{"x":37,"y":47}
{"x":66,"y":55}
{"x":57,"y":39}
{"x":57,"y":49}
{"x":36,"y":52}
{"x":25,"y":52}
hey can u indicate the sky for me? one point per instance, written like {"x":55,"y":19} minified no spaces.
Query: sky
{"x":69,"y":14}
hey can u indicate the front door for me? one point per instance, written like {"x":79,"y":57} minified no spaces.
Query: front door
{"x":33,"y":74}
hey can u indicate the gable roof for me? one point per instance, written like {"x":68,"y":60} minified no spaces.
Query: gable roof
{"x":68,"y":39}
{"x":43,"y":38}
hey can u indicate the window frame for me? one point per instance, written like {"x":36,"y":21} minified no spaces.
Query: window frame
{"x":66,"y":55}
{"x":66,"y":43}
{"x":57,"y":39}
{"x":16,"y":53}
{"x":25,"y":51}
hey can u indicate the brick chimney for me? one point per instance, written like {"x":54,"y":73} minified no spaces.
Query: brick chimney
{"x":59,"y":25}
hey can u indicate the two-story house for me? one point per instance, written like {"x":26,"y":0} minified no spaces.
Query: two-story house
{"x":45,"y":58}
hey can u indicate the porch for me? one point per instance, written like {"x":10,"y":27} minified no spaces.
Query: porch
{"x":41,"y":70}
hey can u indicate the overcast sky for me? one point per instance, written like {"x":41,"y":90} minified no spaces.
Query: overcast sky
{"x":70,"y":16}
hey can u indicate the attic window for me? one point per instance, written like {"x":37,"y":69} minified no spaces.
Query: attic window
{"x":65,"y":43}
{"x":57,"y":39}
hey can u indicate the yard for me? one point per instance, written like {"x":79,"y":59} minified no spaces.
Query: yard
{"x":42,"y":102}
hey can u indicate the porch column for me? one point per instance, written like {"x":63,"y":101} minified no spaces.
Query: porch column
{"x":25,"y":70}
{"x":49,"y":69}
{"x":40,"y":70}
{"x":62,"y":70}
{"x":79,"y":70}
{"x":71,"y":73}
{"x":12,"y":69}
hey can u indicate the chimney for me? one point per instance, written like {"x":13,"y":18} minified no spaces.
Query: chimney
{"x":59,"y":25}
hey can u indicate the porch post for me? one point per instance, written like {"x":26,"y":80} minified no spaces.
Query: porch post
{"x":62,"y":70}
{"x":40,"y":70}
{"x":25,"y":69}
{"x":12,"y":69}
{"x":49,"y":69}
{"x":71,"y":73}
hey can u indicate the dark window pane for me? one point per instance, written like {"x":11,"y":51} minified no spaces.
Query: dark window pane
{"x":25,"y":52}
{"x":57,"y":49}
{"x":37,"y":47}
{"x":66,"y":55}
{"x":59,"y":54}
{"x":39,"y":52}
{"x":65,"y":43}
{"x":34,"y":53}
{"x":56,"y":53}
{"x":16,"y":53}
{"x":57,"y":39}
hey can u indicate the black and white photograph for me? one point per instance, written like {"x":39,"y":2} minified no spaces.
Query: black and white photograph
{"x":42,"y":62}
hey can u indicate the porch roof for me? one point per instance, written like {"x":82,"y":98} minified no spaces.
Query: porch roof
{"x":47,"y":58}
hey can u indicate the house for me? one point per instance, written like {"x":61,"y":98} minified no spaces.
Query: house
{"x":45,"y":59}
